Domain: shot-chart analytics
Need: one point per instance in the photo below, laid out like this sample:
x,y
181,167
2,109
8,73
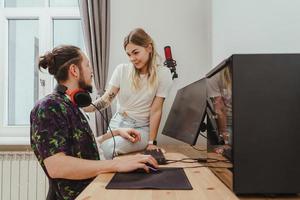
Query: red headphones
x,y
79,97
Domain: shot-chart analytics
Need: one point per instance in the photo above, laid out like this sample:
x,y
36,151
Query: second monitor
x,y
187,113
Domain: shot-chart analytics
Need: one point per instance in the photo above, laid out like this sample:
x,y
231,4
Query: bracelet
x,y
152,142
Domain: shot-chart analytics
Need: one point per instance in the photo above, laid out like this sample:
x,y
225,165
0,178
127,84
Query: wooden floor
x,y
192,153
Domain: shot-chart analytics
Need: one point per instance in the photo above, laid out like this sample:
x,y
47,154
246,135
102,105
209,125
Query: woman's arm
x,y
155,116
128,133
104,101
220,110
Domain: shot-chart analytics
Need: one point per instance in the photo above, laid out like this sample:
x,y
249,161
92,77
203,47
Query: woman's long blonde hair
x,y
226,79
139,37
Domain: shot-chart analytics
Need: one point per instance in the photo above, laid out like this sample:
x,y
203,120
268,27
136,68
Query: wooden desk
x,y
206,185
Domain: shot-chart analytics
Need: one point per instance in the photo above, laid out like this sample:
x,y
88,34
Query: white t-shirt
x,y
137,104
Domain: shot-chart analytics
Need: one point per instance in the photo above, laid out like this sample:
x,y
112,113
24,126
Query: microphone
x,y
170,63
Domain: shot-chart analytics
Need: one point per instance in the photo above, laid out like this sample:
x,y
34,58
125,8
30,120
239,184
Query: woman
x,y
141,88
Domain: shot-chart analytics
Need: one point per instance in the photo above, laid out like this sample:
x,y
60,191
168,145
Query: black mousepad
x,y
164,179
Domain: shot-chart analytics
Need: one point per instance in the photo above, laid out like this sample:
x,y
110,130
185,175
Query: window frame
x,y
45,16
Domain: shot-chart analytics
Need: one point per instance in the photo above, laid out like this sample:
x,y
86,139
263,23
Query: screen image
x,y
219,111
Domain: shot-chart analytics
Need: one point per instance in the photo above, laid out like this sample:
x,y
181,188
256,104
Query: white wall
x,y
254,26
204,32
184,25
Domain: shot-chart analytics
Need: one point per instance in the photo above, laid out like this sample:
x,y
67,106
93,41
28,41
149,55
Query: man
x,y
60,134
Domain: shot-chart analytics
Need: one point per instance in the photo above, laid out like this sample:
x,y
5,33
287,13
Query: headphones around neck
x,y
79,97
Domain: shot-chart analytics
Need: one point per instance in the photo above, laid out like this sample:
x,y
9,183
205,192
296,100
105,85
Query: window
x,y
63,3
22,3
28,29
21,94
67,31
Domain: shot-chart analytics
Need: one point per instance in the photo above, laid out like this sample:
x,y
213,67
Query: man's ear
x,y
74,70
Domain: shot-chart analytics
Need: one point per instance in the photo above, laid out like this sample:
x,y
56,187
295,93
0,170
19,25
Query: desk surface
x,y
206,185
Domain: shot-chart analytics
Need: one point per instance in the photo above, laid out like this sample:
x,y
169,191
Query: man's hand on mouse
x,y
130,163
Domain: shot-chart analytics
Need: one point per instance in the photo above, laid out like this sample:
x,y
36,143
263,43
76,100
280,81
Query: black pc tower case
x,y
264,141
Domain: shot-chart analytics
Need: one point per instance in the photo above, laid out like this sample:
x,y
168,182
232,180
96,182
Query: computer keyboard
x,y
158,155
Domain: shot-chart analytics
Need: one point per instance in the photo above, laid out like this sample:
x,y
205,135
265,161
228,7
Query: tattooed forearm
x,y
101,103
111,96
105,100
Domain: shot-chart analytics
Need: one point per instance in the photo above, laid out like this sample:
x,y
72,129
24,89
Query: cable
x,y
200,166
202,135
181,160
198,160
107,123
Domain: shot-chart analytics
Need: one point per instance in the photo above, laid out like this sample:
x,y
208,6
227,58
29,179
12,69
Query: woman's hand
x,y
225,136
130,134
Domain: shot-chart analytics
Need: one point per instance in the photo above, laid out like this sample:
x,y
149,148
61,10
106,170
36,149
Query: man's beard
x,y
84,86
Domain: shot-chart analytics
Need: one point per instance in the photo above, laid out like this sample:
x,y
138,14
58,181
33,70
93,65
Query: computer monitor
x,y
187,113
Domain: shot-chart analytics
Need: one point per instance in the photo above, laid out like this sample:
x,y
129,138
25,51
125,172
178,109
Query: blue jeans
x,y
123,146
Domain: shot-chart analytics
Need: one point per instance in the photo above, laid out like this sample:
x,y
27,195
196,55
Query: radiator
x,y
22,178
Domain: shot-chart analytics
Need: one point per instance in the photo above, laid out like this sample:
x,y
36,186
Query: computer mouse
x,y
152,169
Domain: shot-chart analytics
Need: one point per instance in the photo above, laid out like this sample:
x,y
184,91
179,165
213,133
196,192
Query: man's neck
x,y
71,85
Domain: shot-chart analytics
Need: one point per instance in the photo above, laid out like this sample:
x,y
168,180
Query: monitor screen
x,y
187,113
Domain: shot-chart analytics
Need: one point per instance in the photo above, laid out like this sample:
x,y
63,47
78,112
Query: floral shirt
x,y
59,126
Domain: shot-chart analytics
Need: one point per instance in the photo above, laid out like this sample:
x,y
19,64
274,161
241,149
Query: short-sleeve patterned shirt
x,y
59,126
